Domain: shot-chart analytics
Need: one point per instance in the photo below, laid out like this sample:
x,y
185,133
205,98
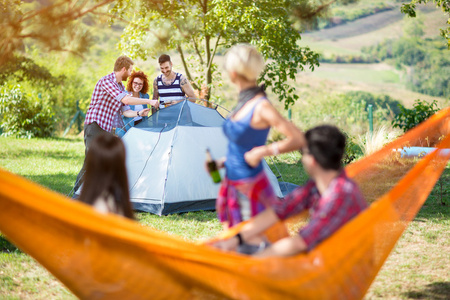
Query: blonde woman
x,y
246,190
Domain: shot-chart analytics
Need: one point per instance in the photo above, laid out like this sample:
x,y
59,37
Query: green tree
x,y
414,27
41,43
25,115
198,30
53,24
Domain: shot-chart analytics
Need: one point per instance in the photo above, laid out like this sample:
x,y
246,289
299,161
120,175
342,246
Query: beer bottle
x,y
212,167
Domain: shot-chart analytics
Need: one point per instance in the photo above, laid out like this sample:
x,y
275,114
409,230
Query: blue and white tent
x,y
165,159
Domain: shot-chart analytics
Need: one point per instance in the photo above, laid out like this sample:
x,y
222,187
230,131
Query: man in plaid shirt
x,y
330,196
108,98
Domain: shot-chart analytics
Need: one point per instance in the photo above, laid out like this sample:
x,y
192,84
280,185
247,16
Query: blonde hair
x,y
245,60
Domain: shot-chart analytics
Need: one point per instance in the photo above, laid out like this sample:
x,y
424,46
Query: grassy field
x,y
416,269
364,73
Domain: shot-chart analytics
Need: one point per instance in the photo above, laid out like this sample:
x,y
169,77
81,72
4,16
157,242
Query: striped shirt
x,y
105,103
328,212
172,92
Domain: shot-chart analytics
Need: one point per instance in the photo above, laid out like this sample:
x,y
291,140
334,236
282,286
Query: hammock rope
x,y
109,257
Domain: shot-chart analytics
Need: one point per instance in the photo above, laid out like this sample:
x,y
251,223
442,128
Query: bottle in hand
x,y
212,167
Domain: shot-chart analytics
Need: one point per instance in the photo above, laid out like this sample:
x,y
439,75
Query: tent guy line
x,y
146,161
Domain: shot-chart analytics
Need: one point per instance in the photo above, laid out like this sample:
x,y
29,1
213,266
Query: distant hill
x,y
365,24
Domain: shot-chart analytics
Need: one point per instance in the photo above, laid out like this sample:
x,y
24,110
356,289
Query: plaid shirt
x,y
106,102
256,191
328,212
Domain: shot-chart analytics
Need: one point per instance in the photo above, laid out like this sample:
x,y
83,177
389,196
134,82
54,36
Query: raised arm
x,y
187,89
266,115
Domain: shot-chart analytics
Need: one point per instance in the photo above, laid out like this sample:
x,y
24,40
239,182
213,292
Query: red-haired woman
x,y
134,114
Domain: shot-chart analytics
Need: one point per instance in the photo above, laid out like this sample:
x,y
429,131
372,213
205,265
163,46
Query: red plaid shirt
x,y
328,212
105,102
256,190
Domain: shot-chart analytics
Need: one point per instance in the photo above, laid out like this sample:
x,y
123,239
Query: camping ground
x,y
416,269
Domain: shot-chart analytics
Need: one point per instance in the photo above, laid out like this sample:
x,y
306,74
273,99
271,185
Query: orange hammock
x,y
108,257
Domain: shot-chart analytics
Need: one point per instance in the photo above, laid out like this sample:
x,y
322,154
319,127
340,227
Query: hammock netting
x,y
109,257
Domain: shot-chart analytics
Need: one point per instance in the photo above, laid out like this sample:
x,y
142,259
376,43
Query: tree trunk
x,y
186,69
208,70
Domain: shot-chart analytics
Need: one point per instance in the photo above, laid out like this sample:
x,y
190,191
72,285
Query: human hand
x,y
253,157
144,112
154,103
226,245
221,162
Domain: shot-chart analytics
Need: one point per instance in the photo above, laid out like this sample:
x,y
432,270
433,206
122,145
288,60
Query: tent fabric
x,y
166,155
109,257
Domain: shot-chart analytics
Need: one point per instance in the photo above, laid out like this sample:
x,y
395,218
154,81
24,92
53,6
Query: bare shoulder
x,y
183,80
266,111
264,105
155,84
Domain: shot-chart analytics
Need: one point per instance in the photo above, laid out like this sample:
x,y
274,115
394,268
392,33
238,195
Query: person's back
x,y
242,138
330,196
328,210
106,185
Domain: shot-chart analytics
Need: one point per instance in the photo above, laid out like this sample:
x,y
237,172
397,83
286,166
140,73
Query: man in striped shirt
x,y
331,197
108,97
171,87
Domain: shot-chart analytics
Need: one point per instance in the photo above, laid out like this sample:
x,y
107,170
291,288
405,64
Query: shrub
x,y
348,111
25,115
409,118
383,105
372,142
352,150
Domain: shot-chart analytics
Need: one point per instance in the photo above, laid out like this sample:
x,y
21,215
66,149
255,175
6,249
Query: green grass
x,y
49,162
417,267
357,73
326,47
191,226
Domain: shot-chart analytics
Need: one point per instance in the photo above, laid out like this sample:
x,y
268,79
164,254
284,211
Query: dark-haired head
x,y
326,144
106,172
163,58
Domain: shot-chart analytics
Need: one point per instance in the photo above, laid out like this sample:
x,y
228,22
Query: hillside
x,y
350,38
366,24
